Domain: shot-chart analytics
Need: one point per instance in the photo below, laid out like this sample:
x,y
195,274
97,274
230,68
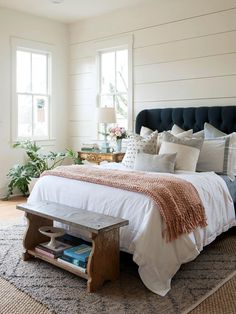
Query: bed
x,y
158,260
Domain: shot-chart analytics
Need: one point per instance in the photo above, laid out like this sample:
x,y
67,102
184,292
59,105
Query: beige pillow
x,y
155,163
199,134
179,135
187,149
138,143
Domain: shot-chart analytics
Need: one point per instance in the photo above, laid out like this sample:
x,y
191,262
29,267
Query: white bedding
x,y
158,261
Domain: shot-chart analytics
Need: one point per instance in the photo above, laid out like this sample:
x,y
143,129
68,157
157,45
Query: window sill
x,y
41,142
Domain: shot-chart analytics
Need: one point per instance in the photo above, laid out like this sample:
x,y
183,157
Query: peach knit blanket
x,y
178,200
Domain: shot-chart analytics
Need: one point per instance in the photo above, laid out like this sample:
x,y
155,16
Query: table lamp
x,y
106,115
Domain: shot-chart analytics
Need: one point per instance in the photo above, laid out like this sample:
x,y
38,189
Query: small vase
x,y
118,145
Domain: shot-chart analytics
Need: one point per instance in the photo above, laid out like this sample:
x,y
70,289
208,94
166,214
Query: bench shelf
x,y
101,230
57,263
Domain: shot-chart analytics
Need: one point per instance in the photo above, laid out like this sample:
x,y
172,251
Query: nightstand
x,y
97,157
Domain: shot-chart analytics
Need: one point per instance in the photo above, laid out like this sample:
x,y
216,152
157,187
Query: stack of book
x,y
76,257
87,147
43,249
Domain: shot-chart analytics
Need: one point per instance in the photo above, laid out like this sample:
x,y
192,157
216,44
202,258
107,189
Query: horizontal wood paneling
x,y
187,69
187,89
76,141
83,128
199,26
82,81
186,49
82,113
208,102
82,97
185,56
83,50
82,65
152,13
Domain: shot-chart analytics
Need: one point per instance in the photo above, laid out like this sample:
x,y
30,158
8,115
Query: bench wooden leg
x,y
32,236
104,261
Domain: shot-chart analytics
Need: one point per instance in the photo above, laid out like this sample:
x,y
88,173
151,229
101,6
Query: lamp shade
x,y
106,115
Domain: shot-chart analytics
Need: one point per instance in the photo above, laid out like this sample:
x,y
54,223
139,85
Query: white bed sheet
x,y
158,261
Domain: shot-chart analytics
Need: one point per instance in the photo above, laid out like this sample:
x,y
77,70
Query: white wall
x,y
184,54
15,24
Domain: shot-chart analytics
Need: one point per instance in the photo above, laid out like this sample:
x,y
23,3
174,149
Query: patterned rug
x,y
66,293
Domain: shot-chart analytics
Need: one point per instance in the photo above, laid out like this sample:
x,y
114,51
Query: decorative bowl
x,y
52,233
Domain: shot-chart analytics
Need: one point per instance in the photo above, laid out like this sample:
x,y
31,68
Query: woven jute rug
x,y
64,293
12,300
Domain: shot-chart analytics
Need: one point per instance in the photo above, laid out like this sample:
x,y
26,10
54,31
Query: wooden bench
x,y
102,230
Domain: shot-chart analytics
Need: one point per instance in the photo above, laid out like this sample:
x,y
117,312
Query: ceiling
x,y
68,11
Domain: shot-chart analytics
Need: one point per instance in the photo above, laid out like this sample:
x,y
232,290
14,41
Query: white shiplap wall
x,y
184,54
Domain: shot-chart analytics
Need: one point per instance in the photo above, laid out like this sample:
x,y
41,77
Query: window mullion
x,y
114,96
32,100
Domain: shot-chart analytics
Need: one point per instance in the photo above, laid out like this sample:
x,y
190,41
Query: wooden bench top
x,y
84,219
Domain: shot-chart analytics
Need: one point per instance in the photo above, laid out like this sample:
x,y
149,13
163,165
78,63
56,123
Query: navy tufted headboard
x,y
223,118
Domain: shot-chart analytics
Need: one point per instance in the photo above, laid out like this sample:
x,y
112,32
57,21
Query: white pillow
x,y
219,155
176,129
145,131
138,143
211,132
155,163
187,150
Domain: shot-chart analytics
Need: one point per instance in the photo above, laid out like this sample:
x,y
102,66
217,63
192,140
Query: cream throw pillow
x,y
187,149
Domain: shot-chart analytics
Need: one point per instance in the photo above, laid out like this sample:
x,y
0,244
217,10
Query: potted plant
x,y
21,175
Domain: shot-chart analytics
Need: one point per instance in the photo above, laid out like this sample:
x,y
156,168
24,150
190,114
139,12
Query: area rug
x,y
65,293
12,300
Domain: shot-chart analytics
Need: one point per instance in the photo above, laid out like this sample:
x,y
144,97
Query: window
x,y
31,93
114,83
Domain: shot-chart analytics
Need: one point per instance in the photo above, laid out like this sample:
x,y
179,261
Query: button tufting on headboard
x,y
223,118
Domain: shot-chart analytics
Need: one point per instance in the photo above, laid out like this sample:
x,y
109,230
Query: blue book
x,y
74,261
80,252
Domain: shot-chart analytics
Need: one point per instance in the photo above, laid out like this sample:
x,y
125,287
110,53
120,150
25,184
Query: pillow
x,y
179,135
137,142
187,150
176,129
145,131
199,134
211,132
155,163
219,155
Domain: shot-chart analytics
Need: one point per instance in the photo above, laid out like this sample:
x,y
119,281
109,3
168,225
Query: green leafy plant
x,y
20,175
74,156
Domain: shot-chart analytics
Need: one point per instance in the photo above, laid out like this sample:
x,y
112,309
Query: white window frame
x,y
34,47
118,43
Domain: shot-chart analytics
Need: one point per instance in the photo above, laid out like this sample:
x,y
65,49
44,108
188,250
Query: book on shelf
x,y
61,260
89,147
57,251
74,261
43,252
70,239
80,252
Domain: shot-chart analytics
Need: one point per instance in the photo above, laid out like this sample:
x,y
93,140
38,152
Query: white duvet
x,y
158,261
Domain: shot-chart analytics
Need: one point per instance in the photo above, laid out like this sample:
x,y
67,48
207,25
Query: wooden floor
x,y
8,213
